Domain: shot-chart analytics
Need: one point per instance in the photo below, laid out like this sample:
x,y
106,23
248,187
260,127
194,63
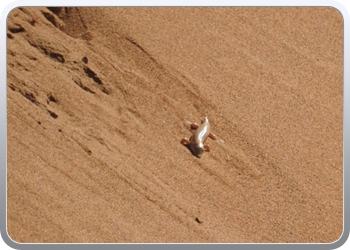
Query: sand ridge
x,y
97,99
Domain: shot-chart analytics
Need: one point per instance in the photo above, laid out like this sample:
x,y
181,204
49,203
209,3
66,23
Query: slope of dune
x,y
97,100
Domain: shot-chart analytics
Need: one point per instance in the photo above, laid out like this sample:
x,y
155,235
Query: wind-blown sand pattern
x,y
97,99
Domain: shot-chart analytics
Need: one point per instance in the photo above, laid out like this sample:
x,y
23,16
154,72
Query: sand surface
x,y
97,100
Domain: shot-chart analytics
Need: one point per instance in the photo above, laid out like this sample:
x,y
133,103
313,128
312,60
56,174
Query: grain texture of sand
x,y
97,100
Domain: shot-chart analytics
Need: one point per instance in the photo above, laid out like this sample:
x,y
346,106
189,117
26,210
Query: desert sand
x,y
97,104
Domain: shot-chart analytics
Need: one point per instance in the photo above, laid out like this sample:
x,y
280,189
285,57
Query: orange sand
x,y
97,99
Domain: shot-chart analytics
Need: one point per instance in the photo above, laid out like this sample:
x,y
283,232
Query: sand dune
x,y
97,104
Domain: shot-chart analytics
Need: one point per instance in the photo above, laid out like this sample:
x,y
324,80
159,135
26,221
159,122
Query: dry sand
x,y
97,99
